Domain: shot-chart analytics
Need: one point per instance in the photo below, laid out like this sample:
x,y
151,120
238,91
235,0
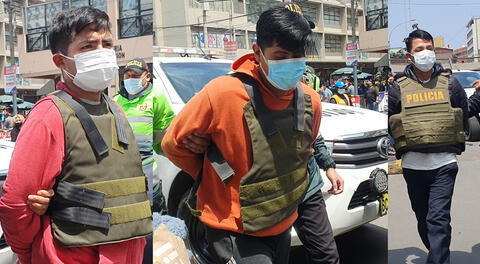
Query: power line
x,y
207,22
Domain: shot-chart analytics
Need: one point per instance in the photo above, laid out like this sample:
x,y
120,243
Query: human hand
x,y
39,203
197,143
336,180
476,84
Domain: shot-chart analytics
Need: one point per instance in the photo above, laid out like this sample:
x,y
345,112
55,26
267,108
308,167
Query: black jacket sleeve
x,y
458,99
394,100
474,104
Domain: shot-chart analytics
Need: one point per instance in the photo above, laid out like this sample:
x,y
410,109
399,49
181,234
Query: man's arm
x,y
474,100
195,117
326,162
162,117
36,161
459,99
394,102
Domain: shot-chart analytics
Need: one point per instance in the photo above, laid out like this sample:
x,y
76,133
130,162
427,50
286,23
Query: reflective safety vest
x,y
281,143
427,118
149,116
314,82
100,195
341,99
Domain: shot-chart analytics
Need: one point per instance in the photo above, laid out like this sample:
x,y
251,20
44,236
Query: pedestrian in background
x,y
371,97
17,125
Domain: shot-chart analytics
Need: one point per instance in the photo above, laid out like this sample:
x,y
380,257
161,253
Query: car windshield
x,y
189,78
466,78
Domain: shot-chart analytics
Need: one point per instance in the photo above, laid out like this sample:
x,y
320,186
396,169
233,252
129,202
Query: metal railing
x,y
135,26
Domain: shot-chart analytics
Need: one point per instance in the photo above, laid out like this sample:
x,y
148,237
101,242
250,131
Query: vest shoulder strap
x,y
119,120
95,139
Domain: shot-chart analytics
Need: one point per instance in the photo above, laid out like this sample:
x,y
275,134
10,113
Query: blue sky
x,y
447,18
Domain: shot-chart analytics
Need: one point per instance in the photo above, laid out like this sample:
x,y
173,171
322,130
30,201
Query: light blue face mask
x,y
133,85
285,74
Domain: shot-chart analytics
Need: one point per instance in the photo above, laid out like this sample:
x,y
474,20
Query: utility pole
x,y
205,36
11,22
354,39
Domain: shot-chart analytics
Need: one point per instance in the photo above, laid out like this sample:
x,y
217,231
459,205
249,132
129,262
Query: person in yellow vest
x,y
149,115
339,94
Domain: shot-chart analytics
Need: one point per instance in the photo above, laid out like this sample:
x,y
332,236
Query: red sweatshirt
x,y
37,159
217,110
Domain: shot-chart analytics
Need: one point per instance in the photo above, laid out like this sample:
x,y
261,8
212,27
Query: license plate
x,y
383,204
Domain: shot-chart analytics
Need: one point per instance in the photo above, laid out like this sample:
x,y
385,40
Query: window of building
x,y
240,38
216,37
333,45
136,18
470,33
39,18
470,51
252,38
331,15
309,10
377,14
470,42
255,8
315,51
222,6
349,19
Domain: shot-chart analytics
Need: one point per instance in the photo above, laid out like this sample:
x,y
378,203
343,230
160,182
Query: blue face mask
x,y
341,91
133,85
285,74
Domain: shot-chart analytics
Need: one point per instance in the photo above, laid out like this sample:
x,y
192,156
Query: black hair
x,y
68,23
420,34
289,30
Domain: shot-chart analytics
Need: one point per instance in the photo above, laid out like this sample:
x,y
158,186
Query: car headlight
x,y
379,181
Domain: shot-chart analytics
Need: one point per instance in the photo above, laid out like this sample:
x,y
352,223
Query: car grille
x,y
358,151
363,195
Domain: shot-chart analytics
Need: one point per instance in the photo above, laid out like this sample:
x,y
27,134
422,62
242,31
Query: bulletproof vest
x,y
341,99
427,118
281,144
100,195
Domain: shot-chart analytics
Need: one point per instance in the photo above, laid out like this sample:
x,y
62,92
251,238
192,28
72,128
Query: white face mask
x,y
95,69
424,60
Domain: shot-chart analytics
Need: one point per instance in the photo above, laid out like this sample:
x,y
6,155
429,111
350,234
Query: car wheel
x,y
473,132
196,241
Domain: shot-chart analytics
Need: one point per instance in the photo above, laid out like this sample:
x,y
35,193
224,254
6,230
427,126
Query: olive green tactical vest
x,y
427,118
110,187
277,181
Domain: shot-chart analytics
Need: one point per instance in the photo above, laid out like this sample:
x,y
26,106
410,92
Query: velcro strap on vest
x,y
91,130
120,187
82,215
219,164
80,195
129,213
121,131
299,105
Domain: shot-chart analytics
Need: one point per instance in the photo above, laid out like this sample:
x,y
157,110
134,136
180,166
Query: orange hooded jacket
x,y
217,110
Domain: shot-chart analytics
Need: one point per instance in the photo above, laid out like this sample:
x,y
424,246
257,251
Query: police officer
x,y
427,114
340,94
78,143
149,114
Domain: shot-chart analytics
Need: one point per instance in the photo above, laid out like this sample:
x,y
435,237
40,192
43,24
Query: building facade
x,y
132,29
26,87
180,24
473,38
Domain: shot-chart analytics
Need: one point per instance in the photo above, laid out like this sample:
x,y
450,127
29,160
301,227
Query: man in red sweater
x,y
78,143
263,122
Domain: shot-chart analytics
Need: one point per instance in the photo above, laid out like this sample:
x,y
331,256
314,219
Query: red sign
x,y
230,50
9,70
355,99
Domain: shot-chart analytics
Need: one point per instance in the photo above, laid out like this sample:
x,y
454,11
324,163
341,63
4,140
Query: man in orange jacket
x,y
262,122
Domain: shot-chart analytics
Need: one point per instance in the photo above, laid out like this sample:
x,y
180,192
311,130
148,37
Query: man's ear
x,y
256,52
58,60
410,57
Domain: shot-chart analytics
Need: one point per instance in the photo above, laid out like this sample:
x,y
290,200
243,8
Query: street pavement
x,y
364,245
404,244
